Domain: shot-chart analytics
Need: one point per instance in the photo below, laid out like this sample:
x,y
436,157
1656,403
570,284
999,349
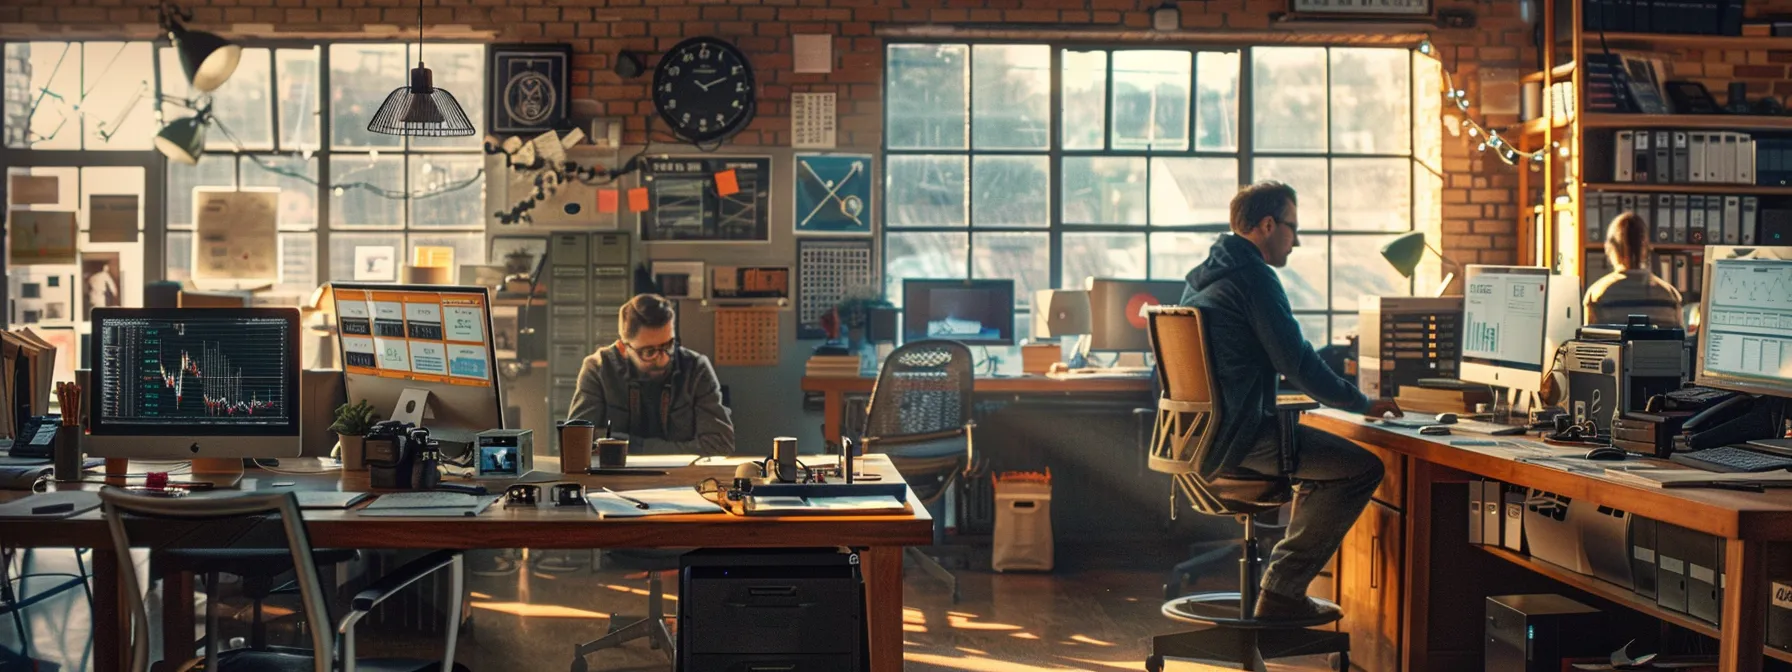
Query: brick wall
x,y
1479,204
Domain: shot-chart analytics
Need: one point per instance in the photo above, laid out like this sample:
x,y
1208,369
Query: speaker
x,y
320,392
1533,633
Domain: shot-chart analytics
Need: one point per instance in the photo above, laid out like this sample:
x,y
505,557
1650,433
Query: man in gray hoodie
x,y
648,389
1253,337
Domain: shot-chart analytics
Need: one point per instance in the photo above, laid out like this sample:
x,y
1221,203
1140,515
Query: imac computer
x,y
1117,311
195,383
421,354
1060,312
1513,319
972,312
1746,344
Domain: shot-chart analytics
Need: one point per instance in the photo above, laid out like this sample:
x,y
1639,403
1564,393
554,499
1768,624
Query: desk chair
x,y
1183,440
258,568
239,517
651,627
920,417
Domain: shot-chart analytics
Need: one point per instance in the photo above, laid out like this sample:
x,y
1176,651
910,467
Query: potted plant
x,y
351,426
855,313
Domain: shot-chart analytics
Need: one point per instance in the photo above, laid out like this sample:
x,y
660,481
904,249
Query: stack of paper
x,y
659,501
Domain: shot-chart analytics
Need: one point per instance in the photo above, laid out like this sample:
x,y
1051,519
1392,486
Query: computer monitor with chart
x,y
422,354
1116,311
186,383
1513,319
1747,307
972,312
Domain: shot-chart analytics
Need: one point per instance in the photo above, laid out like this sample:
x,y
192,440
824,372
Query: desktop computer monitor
x,y
186,383
972,312
1513,319
1746,340
1117,311
422,354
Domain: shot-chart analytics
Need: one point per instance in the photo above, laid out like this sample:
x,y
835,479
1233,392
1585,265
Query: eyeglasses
x,y
1294,226
654,351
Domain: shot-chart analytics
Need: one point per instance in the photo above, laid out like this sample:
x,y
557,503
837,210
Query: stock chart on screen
x,y
195,371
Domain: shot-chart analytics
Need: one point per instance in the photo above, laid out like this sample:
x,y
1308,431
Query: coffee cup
x,y
612,453
575,446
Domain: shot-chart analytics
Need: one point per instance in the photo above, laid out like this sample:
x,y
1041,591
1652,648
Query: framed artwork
x,y
827,271
376,263
707,199
833,194
679,279
527,87
102,285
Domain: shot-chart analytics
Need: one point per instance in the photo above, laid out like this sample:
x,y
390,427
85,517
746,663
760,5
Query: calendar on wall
x,y
812,121
747,336
827,270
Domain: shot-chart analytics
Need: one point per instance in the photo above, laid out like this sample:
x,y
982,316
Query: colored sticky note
x,y
637,199
606,200
726,184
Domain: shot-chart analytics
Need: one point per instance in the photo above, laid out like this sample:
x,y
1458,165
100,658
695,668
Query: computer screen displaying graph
x,y
1748,324
196,371
1503,315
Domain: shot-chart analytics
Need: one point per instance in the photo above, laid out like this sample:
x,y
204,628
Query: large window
x,y
1051,164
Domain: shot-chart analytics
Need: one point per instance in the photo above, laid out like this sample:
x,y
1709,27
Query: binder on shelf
x,y
1726,158
1680,159
1624,159
1661,170
1695,220
1641,156
1475,503
1714,220
1681,235
1745,159
1664,218
1627,203
1732,220
1749,205
1695,157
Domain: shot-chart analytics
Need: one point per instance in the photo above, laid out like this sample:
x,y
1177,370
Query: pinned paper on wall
x,y
812,120
35,190
726,183
236,235
112,218
637,199
42,237
606,201
747,336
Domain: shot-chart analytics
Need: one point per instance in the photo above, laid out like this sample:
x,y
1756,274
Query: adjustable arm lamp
x,y
1405,253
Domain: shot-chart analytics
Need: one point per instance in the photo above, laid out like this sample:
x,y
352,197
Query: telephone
x,y
37,437
1731,420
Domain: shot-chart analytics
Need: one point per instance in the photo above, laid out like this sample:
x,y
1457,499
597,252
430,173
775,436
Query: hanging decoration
x,y
1486,139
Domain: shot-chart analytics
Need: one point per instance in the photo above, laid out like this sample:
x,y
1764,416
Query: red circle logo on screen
x,y
1135,309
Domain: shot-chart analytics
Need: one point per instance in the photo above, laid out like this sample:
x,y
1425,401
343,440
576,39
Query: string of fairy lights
x,y
1486,139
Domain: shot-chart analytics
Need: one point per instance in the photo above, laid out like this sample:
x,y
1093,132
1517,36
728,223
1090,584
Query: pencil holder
x,y
67,456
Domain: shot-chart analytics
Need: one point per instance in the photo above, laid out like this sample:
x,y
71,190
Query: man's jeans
x,y
1334,480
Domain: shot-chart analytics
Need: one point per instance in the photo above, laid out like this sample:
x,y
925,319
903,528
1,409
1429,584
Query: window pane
x,y
1370,114
1311,179
1085,82
1290,84
1104,190
180,256
449,204
1011,97
1173,255
1102,255
1363,274
298,94
353,206
459,69
925,190
298,195
361,76
1151,99
1192,191
1024,257
298,262
379,245
922,255
468,247
43,84
925,106
1010,191
120,84
243,104
1306,277
1373,195
1345,324
212,171
1216,91
1313,328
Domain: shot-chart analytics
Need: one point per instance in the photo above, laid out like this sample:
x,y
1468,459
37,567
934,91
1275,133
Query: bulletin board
x,y
747,336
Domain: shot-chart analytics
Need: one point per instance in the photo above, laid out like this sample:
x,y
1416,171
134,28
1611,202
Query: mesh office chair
x,y
651,627
920,417
1183,439
219,522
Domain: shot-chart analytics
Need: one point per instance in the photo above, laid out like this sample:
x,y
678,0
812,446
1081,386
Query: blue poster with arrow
x,y
833,194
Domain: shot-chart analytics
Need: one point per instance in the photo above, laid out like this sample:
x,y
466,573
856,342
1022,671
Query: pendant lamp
x,y
206,59
183,140
421,109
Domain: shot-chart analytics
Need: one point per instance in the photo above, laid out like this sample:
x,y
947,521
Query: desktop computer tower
x,y
1779,615
1609,378
1406,338
795,610
1533,633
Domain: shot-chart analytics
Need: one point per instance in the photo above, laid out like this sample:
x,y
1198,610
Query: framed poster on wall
x,y
707,199
527,87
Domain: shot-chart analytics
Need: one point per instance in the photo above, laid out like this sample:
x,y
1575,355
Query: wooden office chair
x,y
1183,446
223,522
920,416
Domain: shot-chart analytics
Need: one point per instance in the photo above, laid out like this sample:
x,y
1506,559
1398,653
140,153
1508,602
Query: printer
x,y
1614,368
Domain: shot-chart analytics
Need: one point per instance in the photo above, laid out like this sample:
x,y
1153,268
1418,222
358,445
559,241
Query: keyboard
x,y
427,499
1417,420
1731,459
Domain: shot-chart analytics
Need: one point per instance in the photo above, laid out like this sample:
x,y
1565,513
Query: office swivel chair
x,y
651,627
218,522
1183,440
920,417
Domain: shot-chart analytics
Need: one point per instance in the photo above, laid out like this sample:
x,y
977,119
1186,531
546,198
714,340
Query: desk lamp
x,y
1405,252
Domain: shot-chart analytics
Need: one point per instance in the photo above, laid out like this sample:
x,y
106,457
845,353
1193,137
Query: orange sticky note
x,y
637,199
726,184
606,200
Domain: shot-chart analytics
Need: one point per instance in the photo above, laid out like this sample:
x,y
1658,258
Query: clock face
x,y
704,88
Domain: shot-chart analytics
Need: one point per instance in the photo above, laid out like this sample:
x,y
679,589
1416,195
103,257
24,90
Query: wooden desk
x,y
547,526
1755,527
834,390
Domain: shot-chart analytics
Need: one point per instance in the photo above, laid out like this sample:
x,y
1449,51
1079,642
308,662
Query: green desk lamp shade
x,y
1405,253
206,59
183,140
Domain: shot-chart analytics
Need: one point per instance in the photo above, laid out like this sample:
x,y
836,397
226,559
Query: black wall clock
x,y
704,89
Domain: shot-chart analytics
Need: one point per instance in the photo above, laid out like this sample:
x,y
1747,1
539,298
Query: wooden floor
x,y
1096,613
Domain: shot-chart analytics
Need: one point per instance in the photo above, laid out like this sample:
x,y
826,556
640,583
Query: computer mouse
x,y
1606,453
1446,418
1434,430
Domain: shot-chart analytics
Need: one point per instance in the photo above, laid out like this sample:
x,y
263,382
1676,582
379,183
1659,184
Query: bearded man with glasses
x,y
662,397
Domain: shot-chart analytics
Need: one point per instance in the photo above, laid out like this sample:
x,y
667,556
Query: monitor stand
x,y
413,407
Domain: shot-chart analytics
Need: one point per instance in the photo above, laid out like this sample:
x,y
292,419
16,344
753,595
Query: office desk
x,y
1755,528
835,388
881,537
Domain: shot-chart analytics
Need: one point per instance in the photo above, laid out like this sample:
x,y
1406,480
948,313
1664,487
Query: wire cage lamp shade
x,y
421,109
